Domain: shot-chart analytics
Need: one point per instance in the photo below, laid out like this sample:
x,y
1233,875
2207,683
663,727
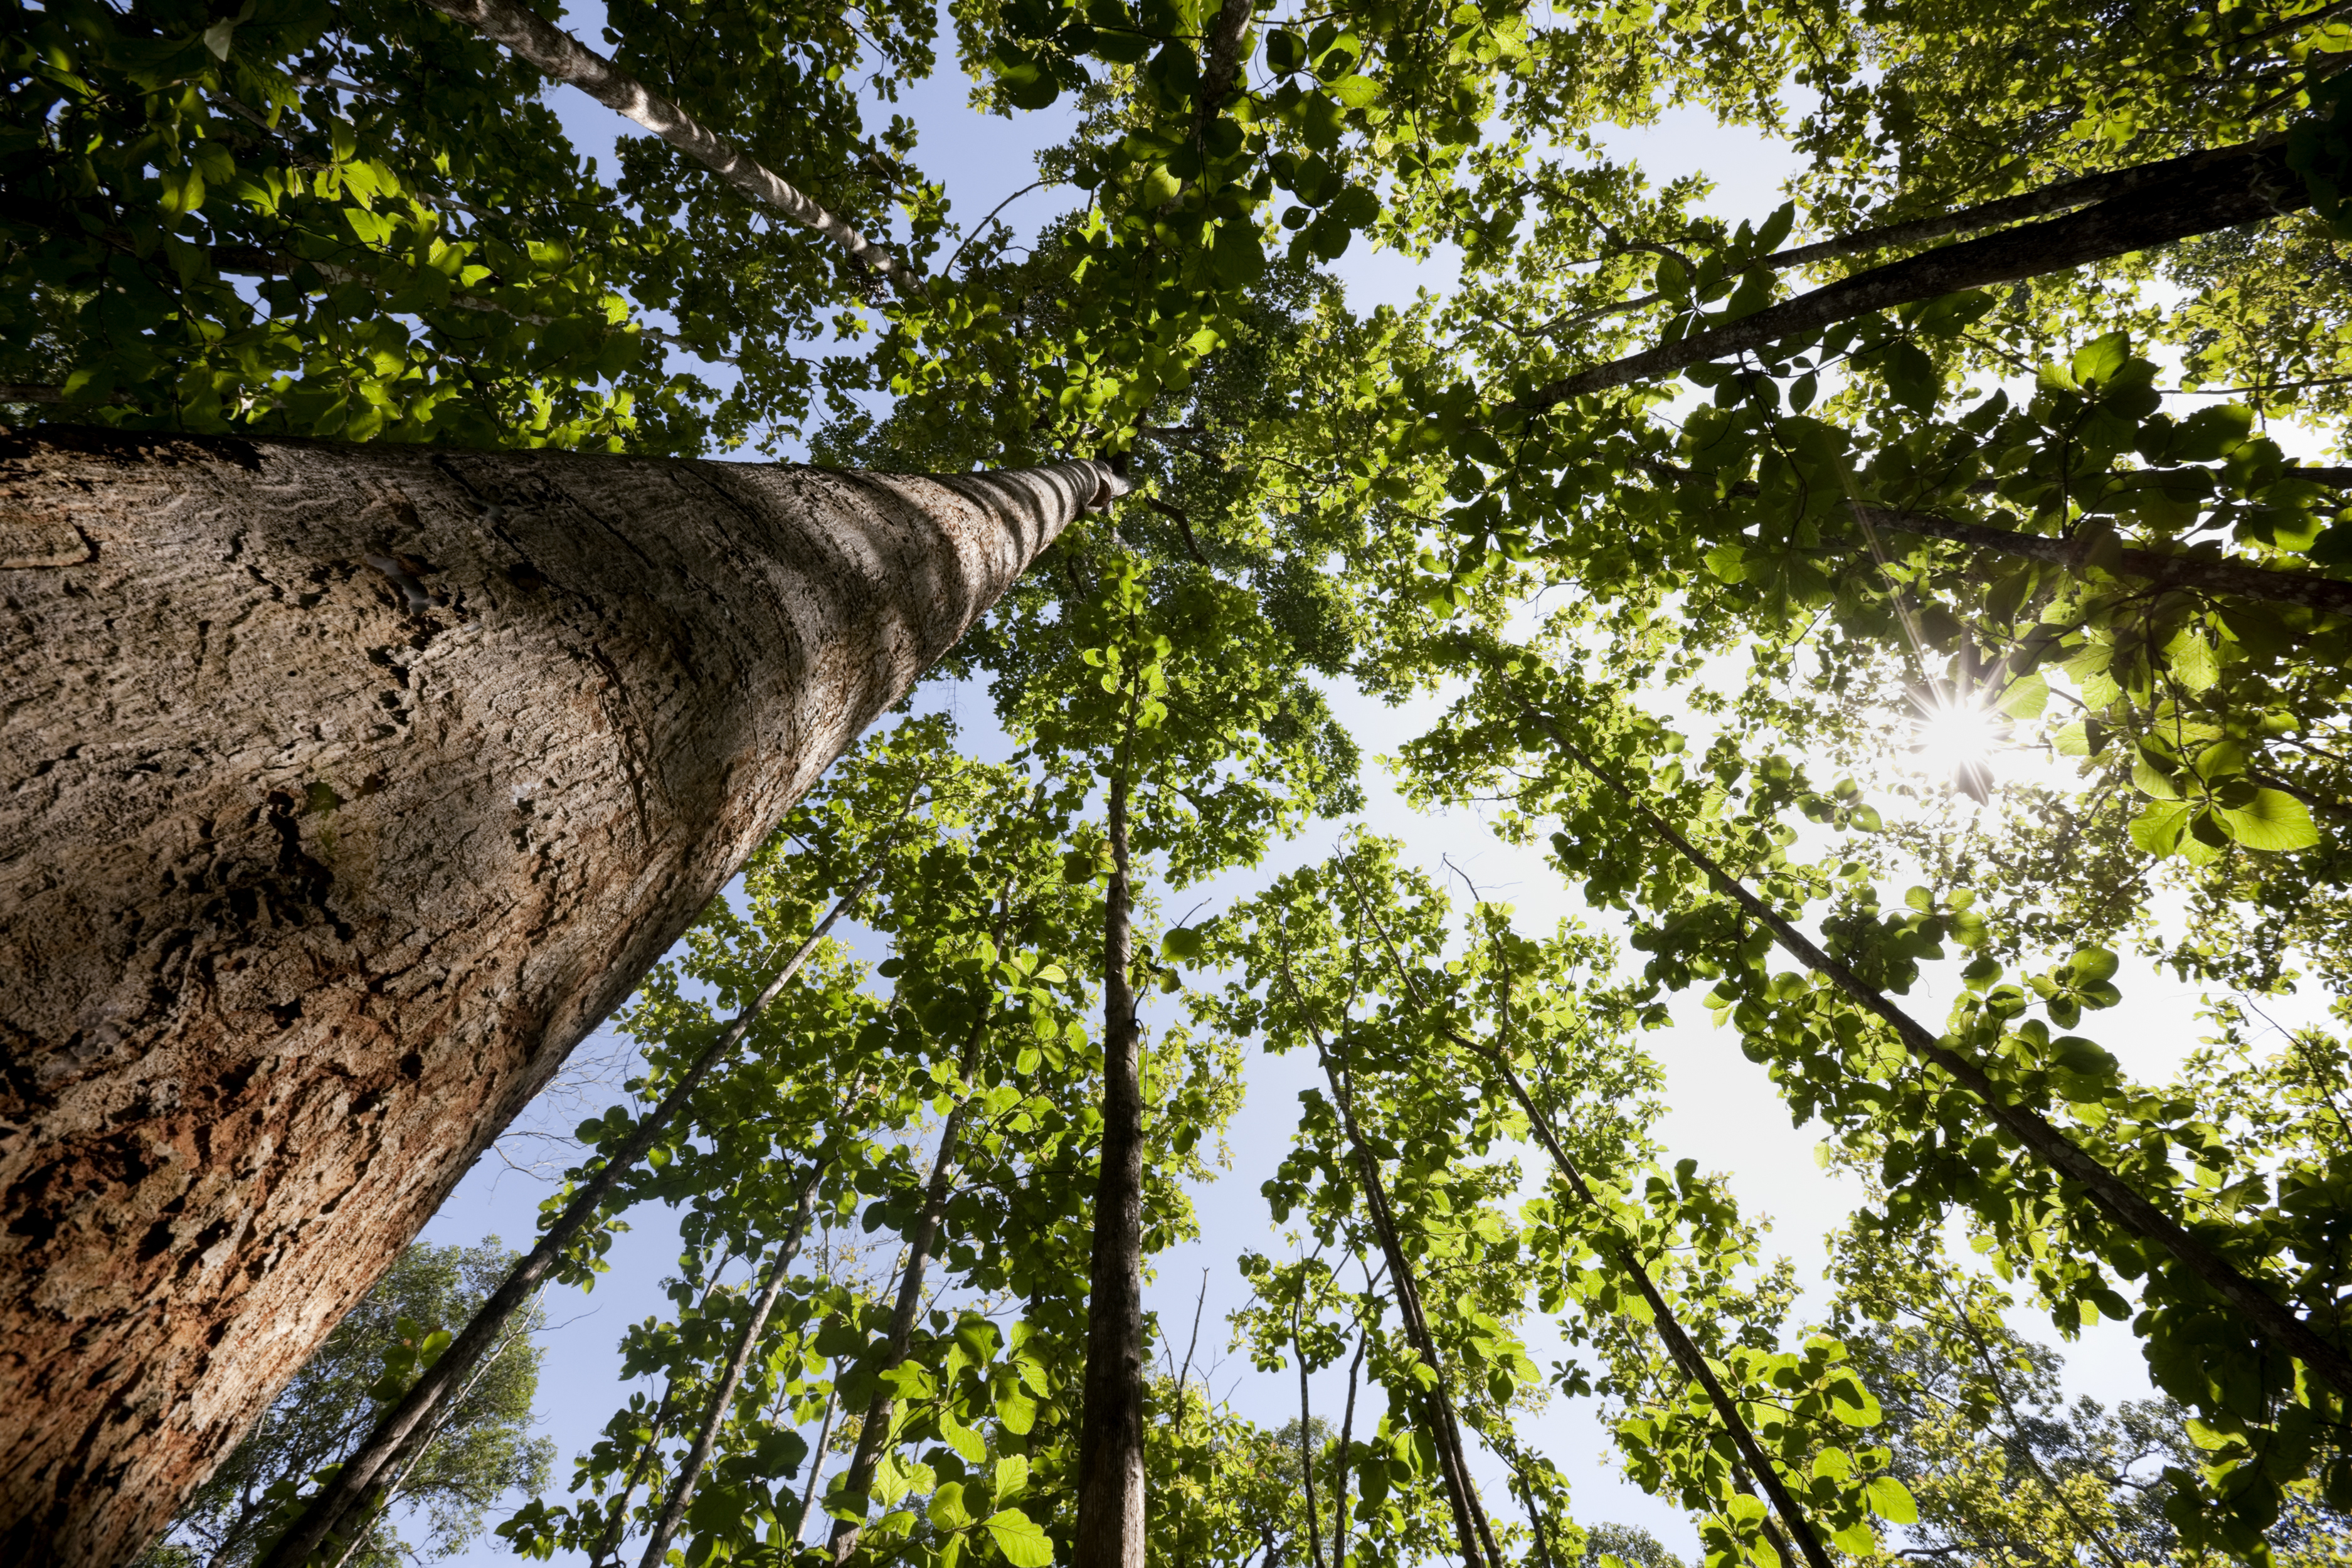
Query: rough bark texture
x,y
1111,1434
345,790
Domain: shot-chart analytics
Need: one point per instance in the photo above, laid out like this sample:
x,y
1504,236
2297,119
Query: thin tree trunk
x,y
619,1523
2278,1327
2223,189
354,786
874,1429
1534,1521
721,1397
1477,1537
415,1453
566,58
357,1474
1109,1532
816,1454
1474,1536
1306,1448
1346,1435
1679,1344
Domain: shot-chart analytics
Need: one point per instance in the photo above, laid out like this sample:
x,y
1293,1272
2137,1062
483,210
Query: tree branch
x,y
1183,526
2164,568
2278,1325
566,58
2064,195
1223,60
2197,194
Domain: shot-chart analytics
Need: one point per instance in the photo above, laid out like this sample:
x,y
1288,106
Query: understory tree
x,y
479,1452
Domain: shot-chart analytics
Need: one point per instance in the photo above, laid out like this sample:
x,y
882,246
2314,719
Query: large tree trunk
x,y
345,789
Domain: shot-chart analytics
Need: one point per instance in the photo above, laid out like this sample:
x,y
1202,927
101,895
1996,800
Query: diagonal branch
x,y
1679,1344
2197,194
2166,569
2061,195
566,58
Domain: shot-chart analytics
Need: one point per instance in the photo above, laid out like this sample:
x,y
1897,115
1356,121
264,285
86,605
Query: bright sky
x,y
1724,1114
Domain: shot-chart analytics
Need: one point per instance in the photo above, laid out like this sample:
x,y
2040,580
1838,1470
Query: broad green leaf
x,y
947,1509
1024,1545
1892,1501
2275,821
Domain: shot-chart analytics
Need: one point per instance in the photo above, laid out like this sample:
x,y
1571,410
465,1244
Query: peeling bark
x,y
345,790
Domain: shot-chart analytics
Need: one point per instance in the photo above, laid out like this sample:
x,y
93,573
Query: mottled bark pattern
x,y
342,792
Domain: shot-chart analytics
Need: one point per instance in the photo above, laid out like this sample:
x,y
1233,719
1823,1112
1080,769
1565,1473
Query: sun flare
x,y
1957,738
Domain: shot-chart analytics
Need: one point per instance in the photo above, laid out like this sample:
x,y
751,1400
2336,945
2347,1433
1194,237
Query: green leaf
x,y
947,1509
2099,358
1238,258
1017,1536
1017,1411
2093,964
2077,1055
1892,1501
2274,822
962,1439
2026,698
1356,91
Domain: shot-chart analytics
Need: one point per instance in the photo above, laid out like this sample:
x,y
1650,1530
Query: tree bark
x,y
531,37
2164,568
817,1457
1305,1447
2226,188
349,788
1110,1436
2061,195
1475,1535
415,1407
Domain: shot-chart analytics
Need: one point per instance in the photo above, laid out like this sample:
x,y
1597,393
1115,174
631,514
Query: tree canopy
x,y
2024,417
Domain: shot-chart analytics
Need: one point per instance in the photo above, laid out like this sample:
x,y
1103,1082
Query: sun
x,y
1956,736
